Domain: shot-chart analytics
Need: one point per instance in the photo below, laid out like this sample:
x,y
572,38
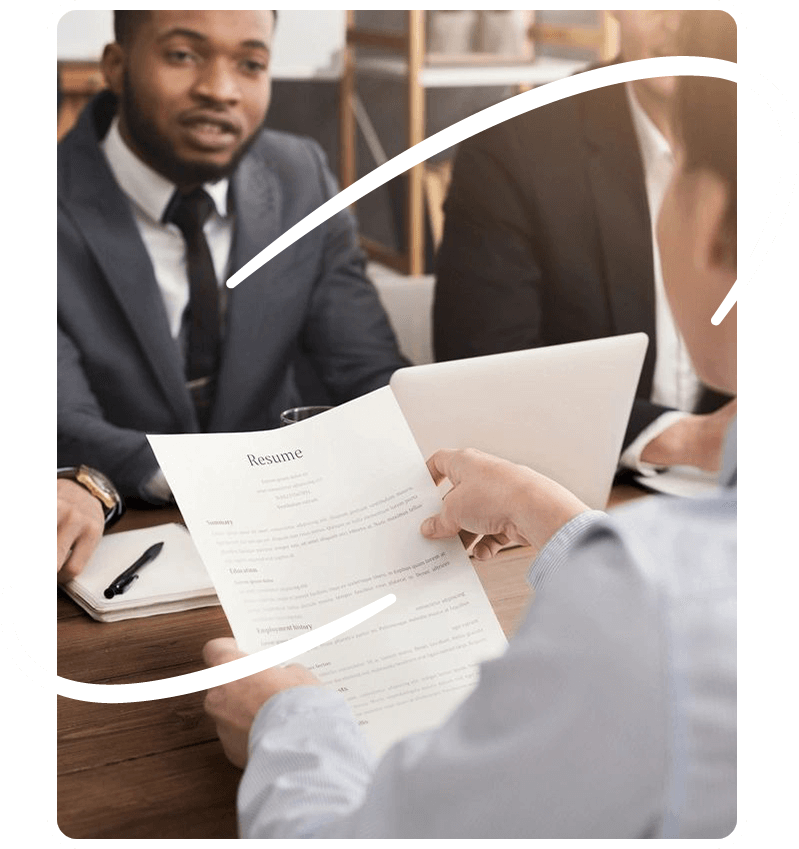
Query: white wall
x,y
307,43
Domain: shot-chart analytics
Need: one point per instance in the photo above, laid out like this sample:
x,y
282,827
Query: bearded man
x,y
168,184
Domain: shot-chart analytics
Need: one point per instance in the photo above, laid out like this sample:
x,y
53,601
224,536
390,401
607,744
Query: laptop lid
x,y
562,409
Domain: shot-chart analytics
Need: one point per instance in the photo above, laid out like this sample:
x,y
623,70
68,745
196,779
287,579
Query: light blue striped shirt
x,y
612,714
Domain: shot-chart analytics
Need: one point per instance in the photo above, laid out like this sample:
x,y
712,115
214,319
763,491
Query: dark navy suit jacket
x,y
306,328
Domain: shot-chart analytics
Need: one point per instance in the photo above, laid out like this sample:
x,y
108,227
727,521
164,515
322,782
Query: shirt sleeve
x,y
308,764
564,736
558,550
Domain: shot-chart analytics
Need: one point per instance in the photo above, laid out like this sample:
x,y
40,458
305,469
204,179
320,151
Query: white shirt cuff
x,y
631,456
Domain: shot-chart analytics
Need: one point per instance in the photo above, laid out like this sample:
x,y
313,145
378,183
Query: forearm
x,y
539,508
309,765
684,442
124,455
85,436
633,456
694,440
687,439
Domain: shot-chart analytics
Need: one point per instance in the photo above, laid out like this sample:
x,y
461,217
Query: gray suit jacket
x,y
306,328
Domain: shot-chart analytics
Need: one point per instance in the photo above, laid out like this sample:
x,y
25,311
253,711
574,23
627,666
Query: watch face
x,y
98,484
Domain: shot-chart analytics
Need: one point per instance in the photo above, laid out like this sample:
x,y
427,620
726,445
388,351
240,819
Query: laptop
x,y
562,409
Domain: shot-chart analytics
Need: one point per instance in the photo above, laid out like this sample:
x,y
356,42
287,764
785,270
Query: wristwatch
x,y
99,486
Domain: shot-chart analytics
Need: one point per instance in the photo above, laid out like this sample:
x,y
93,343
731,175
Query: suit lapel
x,y
617,183
106,221
256,199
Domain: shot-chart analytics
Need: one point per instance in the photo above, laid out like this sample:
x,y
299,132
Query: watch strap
x,y
98,485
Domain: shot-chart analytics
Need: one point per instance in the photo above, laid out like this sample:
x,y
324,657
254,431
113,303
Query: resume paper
x,y
301,525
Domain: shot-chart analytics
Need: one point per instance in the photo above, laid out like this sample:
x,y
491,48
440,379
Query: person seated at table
x,y
167,185
87,504
549,238
613,711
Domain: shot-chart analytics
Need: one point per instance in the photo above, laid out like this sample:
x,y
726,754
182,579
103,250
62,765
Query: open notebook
x,y
176,580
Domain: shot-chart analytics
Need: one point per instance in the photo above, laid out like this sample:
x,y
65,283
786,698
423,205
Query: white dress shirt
x,y
149,194
675,383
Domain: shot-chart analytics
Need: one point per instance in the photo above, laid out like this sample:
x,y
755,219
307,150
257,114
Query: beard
x,y
158,153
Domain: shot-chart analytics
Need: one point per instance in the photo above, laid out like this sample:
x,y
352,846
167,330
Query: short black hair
x,y
127,21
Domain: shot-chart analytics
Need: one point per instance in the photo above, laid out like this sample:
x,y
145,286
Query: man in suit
x,y
549,239
166,186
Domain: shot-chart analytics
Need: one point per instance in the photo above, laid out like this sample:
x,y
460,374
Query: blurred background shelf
x,y
481,70
446,49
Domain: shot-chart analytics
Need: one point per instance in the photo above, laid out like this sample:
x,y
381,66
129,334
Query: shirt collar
x,y
653,143
145,187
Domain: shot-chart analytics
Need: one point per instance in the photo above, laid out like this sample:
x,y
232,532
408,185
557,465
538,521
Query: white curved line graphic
x,y
665,66
180,685
549,93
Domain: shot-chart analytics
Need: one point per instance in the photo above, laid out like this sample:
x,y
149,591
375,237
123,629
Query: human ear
x,y
113,67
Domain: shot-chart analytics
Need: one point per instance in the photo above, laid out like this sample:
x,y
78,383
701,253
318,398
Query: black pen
x,y
123,581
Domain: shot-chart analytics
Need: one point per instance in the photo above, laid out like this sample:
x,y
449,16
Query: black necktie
x,y
190,212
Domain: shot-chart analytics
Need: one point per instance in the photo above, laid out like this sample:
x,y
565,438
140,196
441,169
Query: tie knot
x,y
189,212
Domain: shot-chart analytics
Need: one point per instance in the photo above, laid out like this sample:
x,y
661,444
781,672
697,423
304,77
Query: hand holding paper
x,y
233,707
504,502
302,525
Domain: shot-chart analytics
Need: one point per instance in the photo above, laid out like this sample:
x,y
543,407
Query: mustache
x,y
158,152
209,116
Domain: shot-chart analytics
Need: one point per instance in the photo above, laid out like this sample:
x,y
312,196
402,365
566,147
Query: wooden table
x,y
156,769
